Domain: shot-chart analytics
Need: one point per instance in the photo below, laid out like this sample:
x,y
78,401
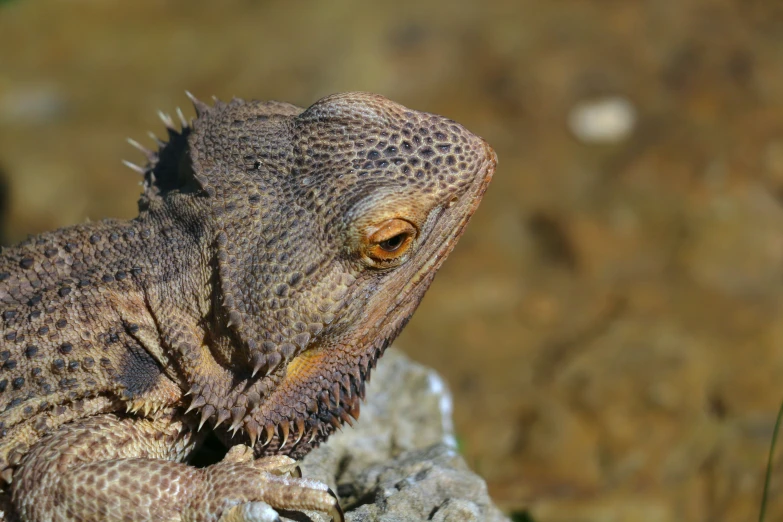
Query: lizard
x,y
276,254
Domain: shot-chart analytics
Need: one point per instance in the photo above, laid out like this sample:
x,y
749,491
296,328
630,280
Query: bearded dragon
x,y
277,252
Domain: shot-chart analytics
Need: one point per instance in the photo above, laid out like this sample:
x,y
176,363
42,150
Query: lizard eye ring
x,y
388,242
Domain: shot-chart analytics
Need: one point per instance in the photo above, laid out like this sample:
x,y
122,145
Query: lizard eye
x,y
389,241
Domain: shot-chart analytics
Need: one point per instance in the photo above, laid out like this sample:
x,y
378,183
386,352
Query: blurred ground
x,y
612,322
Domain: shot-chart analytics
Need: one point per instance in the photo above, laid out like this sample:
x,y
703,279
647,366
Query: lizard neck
x,y
179,293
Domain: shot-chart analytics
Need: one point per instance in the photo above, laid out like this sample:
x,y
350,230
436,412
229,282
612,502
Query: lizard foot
x,y
258,487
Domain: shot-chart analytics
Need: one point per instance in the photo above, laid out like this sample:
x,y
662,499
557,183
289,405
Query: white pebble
x,y
602,120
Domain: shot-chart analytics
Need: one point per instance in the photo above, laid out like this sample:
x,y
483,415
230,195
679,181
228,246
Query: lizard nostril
x,y
452,201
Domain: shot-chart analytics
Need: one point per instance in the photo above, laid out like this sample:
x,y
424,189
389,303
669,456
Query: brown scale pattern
x,y
252,295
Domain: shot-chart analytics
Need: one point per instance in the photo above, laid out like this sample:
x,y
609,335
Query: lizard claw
x,y
337,513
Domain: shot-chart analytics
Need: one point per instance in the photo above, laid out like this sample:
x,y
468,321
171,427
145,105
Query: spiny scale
x,y
283,429
269,431
258,360
200,106
157,140
150,154
182,118
237,416
300,430
222,416
198,402
134,167
252,432
167,121
206,412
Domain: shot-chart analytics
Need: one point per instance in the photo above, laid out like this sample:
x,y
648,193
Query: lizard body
x,y
277,252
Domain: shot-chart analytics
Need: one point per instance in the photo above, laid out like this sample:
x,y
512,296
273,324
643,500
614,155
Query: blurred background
x,y
611,324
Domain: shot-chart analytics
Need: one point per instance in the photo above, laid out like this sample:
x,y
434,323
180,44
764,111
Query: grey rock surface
x,y
400,462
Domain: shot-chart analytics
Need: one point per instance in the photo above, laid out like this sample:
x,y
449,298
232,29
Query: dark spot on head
x,y
18,383
31,351
67,382
10,364
66,348
64,291
26,262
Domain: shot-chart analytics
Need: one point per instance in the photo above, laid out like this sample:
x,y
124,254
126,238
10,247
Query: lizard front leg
x,y
112,468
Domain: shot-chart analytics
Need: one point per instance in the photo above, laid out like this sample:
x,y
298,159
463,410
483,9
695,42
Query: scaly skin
x,y
276,254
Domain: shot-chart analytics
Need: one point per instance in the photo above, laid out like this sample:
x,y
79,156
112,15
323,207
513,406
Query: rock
x,y
429,484
400,462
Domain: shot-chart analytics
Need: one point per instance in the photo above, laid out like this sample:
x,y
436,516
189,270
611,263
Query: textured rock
x,y
399,462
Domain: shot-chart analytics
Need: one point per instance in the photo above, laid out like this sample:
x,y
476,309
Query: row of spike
x,y
335,406
317,427
152,155
340,404
266,362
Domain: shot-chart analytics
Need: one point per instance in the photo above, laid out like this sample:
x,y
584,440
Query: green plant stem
x,y
769,464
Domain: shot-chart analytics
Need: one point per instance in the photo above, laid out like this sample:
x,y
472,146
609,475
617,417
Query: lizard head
x,y
330,224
